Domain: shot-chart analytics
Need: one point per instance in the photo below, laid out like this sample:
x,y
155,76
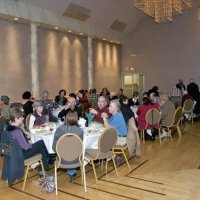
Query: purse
x,y
5,149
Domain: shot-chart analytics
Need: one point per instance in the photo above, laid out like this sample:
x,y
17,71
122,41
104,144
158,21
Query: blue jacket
x,y
13,166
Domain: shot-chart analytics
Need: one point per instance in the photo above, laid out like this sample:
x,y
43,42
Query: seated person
x,y
37,118
185,96
142,111
93,95
125,109
116,120
153,97
5,106
167,109
28,149
120,94
70,126
27,103
48,106
61,99
83,99
71,105
134,101
47,103
101,108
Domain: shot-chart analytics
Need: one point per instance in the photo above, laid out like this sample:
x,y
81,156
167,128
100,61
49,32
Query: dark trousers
x,y
38,147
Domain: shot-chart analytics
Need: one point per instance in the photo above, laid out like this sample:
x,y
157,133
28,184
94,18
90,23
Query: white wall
x,y
166,52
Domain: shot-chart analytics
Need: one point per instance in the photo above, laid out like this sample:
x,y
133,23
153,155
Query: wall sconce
x,y
132,69
129,69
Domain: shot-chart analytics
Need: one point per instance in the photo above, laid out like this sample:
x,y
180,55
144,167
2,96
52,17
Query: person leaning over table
x,y
101,108
28,149
70,105
70,126
116,120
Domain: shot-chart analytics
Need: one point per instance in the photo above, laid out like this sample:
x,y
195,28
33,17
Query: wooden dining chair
x,y
188,108
29,162
106,143
152,118
69,149
175,124
130,143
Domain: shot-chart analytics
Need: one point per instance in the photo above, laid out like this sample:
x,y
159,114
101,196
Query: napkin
x,y
82,122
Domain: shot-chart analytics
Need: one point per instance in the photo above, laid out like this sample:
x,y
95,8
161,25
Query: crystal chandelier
x,y
163,10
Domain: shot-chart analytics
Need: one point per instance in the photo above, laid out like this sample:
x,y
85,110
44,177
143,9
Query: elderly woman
x,y
70,126
37,118
61,99
28,149
117,119
5,107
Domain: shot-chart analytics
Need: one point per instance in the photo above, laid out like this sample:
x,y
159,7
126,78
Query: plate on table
x,y
40,131
91,131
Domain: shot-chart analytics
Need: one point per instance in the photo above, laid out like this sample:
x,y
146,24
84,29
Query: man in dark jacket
x,y
71,105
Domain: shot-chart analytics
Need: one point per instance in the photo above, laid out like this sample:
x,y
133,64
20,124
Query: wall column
x,y
90,63
34,60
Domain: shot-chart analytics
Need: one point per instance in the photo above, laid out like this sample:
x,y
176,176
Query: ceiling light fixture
x,y
163,10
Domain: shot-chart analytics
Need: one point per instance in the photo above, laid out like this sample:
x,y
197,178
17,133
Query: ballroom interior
x,y
83,44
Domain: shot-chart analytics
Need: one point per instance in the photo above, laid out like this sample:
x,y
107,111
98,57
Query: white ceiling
x,y
103,12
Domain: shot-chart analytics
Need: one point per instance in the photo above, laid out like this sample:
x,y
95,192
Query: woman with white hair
x,y
117,119
37,118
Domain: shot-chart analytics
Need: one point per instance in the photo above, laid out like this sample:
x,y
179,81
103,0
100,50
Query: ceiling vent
x,y
77,12
118,26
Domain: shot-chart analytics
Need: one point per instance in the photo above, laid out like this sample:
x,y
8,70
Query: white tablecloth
x,y
90,140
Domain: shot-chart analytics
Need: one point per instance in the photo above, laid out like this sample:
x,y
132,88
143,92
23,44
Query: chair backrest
x,y
69,148
132,138
107,140
188,105
177,116
27,120
153,117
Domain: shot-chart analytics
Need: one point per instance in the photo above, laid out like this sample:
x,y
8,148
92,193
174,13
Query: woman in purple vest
x,y
28,149
37,118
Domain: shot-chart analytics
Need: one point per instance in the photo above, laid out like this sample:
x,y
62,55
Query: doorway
x,y
133,82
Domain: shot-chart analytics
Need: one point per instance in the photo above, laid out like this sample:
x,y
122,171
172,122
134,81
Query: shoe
x,y
164,134
71,173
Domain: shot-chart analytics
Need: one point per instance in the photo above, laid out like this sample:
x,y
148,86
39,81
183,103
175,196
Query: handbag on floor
x,y
48,183
5,149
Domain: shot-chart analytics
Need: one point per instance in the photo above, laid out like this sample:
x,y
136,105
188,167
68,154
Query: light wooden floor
x,y
167,171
